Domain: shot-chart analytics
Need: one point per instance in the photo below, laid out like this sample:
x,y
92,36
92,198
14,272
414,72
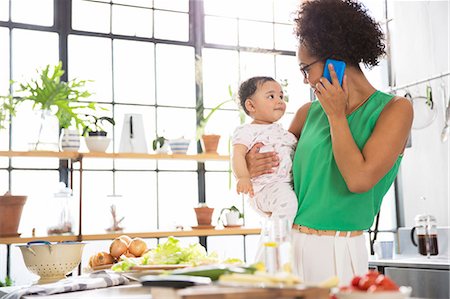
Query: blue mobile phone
x,y
339,68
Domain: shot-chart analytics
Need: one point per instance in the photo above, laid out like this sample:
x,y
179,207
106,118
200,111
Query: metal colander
x,y
51,262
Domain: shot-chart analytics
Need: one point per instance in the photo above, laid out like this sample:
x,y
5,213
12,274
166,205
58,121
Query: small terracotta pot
x,y
210,143
204,215
11,207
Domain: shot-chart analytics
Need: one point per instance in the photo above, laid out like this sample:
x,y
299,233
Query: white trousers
x,y
317,258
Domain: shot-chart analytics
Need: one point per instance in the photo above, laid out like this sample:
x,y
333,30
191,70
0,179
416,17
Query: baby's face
x,y
268,103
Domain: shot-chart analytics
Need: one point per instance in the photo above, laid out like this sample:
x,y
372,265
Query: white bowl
x,y
404,292
97,143
51,262
179,146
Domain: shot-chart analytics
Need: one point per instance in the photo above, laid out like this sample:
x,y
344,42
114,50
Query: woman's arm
x,y
361,170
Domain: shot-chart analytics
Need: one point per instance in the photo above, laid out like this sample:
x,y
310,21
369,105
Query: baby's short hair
x,y
248,88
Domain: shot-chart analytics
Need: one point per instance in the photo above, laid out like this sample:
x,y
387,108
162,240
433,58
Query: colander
x,y
51,261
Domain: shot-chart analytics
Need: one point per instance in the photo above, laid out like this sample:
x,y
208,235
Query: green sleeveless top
x,y
324,201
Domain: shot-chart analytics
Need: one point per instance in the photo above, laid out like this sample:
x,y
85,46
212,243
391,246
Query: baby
x,y
271,195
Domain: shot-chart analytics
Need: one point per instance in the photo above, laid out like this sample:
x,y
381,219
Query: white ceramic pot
x,y
97,143
70,140
232,218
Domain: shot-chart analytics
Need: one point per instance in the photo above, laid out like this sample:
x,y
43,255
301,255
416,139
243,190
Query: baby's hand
x,y
244,185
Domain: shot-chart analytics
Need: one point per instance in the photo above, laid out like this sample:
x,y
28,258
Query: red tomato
x,y
355,281
375,288
387,283
367,280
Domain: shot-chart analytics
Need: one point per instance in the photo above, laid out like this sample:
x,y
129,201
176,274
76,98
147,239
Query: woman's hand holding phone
x,y
332,97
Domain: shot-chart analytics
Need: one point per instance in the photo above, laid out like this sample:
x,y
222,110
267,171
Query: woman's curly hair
x,y
340,29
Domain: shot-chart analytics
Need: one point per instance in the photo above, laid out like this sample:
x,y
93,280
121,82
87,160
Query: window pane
x,y
132,21
221,31
138,202
142,3
176,205
252,243
134,69
91,16
298,92
284,38
26,59
90,59
255,34
175,75
39,187
4,61
3,180
38,12
4,10
256,64
178,5
221,8
96,205
218,193
215,84
284,11
177,122
171,25
256,10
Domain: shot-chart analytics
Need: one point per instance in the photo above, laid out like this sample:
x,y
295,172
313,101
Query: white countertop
x,y
413,261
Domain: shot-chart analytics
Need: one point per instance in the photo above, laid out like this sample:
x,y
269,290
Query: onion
x,y
126,239
100,259
137,247
118,247
128,254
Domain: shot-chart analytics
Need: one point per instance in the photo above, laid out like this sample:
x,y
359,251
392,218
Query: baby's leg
x,y
283,201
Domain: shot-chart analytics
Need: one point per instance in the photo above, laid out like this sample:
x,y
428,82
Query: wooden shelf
x,y
145,235
77,155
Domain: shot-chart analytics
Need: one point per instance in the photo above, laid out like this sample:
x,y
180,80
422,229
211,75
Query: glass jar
x,y
63,201
426,230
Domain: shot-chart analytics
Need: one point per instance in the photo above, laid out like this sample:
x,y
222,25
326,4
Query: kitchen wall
x,y
420,49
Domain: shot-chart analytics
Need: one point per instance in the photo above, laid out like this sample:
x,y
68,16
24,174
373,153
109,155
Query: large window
x,y
166,60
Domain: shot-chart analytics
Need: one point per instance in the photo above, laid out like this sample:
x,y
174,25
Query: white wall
x,y
420,49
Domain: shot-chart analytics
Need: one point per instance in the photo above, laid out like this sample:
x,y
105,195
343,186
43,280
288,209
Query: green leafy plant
x,y
93,125
230,209
7,107
48,91
7,283
204,120
159,140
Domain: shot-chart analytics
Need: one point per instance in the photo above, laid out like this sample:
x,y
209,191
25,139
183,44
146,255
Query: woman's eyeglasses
x,y
305,69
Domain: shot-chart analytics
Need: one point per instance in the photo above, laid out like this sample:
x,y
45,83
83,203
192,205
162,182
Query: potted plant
x,y
210,141
11,207
204,214
97,140
54,99
232,216
160,145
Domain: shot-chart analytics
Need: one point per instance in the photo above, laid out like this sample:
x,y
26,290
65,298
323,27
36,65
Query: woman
x,y
350,144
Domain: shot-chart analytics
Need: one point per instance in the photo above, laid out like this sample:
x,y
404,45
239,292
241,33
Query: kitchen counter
x,y
135,290
413,261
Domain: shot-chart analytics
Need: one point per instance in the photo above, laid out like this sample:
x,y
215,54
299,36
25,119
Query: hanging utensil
x,y
446,129
424,114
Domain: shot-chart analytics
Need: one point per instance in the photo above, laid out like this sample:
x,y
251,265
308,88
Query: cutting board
x,y
217,292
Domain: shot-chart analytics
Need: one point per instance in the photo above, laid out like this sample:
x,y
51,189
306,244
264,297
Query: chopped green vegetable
x,y
125,264
171,253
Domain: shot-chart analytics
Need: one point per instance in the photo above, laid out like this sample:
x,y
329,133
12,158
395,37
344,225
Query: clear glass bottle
x,y
63,201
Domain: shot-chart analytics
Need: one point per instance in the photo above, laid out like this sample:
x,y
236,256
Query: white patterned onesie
x,y
273,191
